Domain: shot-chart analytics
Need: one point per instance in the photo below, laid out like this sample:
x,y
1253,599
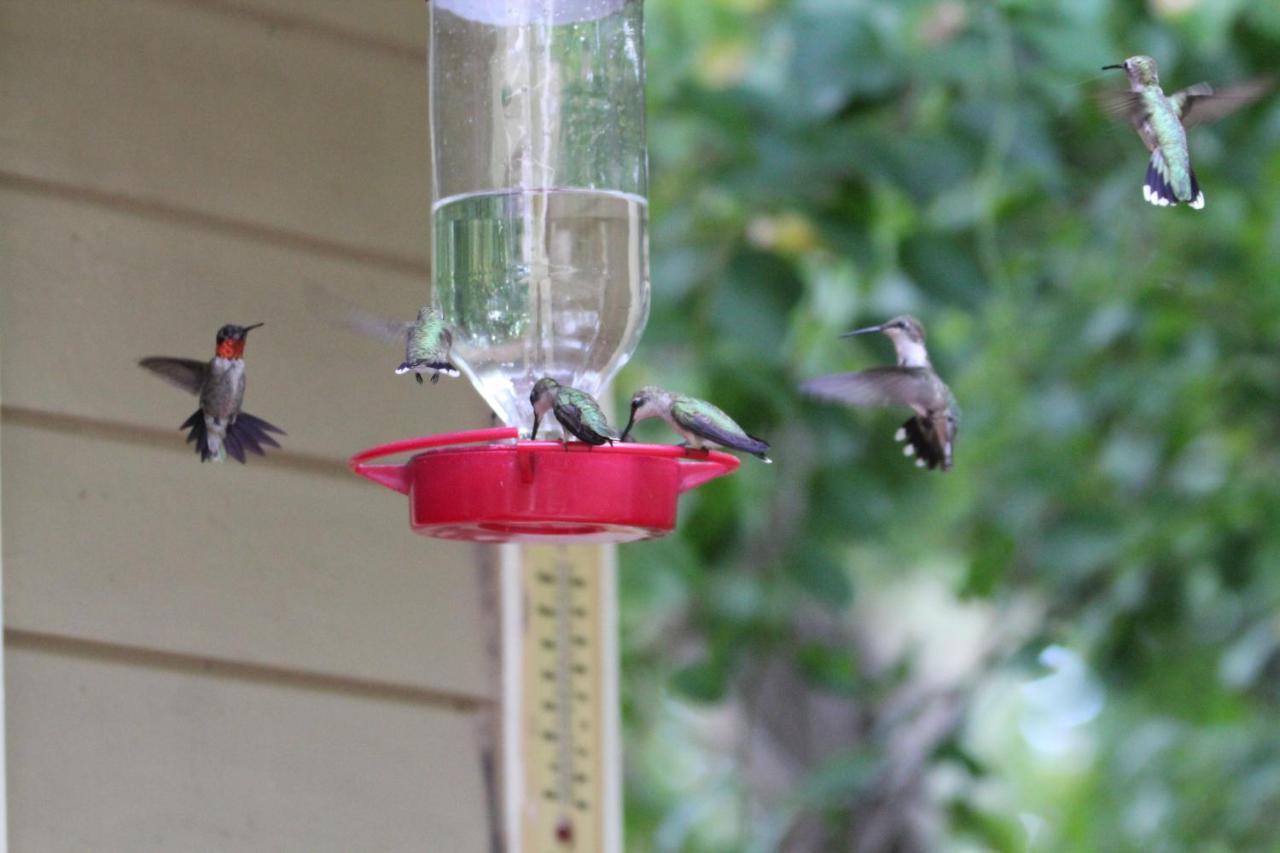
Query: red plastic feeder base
x,y
540,491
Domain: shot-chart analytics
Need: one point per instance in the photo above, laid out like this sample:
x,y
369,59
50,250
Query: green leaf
x,y
823,577
704,681
832,668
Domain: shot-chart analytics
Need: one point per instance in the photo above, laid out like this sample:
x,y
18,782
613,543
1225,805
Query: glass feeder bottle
x,y
540,254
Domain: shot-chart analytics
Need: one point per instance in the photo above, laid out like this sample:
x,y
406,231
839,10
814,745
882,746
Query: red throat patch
x,y
231,348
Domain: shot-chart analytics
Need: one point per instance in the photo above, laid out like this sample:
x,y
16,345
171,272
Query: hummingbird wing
x,y
711,423
1200,103
879,386
185,373
342,314
1123,106
579,413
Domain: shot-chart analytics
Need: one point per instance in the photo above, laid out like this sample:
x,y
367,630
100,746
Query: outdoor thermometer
x,y
560,702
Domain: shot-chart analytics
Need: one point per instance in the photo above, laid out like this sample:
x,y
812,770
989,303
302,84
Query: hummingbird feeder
x,y
540,268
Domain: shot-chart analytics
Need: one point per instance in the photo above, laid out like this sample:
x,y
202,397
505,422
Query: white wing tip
x,y
901,434
909,450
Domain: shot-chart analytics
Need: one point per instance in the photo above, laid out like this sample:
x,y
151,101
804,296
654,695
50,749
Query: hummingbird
x,y
930,434
427,340
577,411
698,421
1161,121
218,427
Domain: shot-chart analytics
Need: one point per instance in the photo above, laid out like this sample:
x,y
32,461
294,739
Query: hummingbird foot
x,y
418,376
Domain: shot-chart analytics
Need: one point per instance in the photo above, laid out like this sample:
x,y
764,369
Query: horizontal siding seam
x,y
121,432
159,211
411,52
190,664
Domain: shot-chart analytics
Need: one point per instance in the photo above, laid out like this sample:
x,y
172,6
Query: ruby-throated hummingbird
x,y
1161,121
218,427
427,340
577,411
699,422
913,383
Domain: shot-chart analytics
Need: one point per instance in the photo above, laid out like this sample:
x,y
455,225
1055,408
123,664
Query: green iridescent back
x,y
429,339
590,415
686,409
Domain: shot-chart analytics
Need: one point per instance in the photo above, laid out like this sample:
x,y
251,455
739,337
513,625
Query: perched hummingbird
x,y
218,427
697,420
1161,121
912,383
577,411
427,340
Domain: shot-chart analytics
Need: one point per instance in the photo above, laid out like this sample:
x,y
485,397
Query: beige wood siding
x,y
222,657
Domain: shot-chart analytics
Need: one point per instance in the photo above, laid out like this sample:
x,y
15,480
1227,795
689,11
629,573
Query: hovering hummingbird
x,y
577,411
218,427
427,340
913,383
1161,121
697,420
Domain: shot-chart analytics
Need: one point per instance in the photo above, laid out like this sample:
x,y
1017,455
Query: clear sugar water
x,y
541,283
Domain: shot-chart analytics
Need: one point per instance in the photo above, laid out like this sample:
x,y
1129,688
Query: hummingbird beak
x,y
631,421
865,331
1118,67
247,329
537,418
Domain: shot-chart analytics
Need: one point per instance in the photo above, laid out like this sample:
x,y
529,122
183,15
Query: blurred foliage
x,y
1072,640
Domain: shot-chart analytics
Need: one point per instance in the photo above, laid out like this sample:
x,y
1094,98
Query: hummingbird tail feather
x,y
761,449
251,441
419,367
921,442
734,440
252,433
258,425
1158,188
235,448
1197,195
199,434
